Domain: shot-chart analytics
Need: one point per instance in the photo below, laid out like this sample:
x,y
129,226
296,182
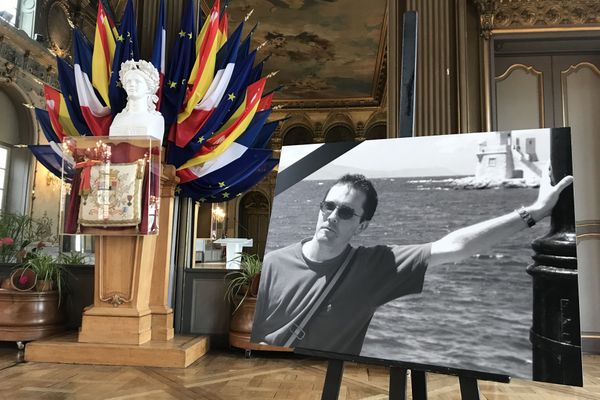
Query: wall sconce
x,y
51,179
218,213
217,225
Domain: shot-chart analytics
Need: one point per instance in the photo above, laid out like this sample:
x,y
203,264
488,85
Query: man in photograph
x,y
322,293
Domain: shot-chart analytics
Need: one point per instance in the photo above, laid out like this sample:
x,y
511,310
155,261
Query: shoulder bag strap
x,y
297,330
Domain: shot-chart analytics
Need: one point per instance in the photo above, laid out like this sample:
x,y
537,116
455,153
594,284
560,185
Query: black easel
x,y
398,373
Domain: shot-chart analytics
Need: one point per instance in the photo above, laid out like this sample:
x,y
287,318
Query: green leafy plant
x,y
18,231
243,282
72,258
47,268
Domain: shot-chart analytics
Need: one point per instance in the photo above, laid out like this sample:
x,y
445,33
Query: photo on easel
x,y
453,251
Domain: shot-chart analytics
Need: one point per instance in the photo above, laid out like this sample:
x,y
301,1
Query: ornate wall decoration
x,y
497,14
55,23
24,60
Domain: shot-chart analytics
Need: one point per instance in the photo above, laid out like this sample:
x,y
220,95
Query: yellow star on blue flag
x,y
201,139
221,184
177,190
182,33
225,195
231,96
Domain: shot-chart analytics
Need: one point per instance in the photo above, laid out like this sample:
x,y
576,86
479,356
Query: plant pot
x,y
23,279
44,286
254,285
240,328
29,315
5,284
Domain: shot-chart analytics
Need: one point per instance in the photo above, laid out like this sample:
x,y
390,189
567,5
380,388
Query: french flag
x,y
97,116
158,52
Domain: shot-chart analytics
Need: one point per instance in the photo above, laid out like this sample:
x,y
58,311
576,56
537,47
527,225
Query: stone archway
x,y
378,131
253,221
298,134
339,133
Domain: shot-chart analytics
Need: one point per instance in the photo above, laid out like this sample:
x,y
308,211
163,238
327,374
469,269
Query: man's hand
x,y
469,240
548,195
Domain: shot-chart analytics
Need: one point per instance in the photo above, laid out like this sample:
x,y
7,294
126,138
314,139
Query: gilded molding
x,y
337,119
21,55
529,69
291,104
116,299
503,14
587,230
487,10
563,85
377,118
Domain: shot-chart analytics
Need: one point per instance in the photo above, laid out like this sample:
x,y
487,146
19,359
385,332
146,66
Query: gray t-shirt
x,y
290,284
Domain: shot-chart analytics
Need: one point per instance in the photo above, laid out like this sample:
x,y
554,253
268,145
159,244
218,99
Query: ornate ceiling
x,y
329,53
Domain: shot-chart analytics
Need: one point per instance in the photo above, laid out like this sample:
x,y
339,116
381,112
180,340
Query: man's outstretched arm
x,y
467,241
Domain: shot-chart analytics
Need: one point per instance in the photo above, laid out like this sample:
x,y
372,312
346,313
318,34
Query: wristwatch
x,y
525,216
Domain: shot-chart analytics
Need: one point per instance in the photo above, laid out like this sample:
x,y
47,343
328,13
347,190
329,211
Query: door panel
x,y
254,221
523,92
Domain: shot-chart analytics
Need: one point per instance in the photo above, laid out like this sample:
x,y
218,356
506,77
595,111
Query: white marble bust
x,y
139,117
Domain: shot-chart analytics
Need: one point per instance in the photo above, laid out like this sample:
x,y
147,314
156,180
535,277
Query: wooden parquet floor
x,y
230,376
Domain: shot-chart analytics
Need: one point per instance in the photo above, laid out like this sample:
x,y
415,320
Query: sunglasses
x,y
344,212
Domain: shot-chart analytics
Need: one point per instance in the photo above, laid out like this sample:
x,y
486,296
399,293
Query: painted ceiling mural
x,y
324,49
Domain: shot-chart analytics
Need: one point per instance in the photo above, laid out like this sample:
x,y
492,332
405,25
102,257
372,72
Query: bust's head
x,y
140,80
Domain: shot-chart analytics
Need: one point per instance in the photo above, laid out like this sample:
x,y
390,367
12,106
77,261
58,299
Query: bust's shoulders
x,y
141,117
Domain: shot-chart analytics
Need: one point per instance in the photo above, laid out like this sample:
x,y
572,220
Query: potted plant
x,y
244,282
73,258
241,290
33,314
50,273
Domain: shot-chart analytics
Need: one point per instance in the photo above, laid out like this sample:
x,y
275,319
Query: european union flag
x,y
250,181
245,46
127,49
181,64
230,192
50,159
262,140
254,129
233,173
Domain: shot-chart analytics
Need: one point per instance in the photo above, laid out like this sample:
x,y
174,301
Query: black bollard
x,y
555,335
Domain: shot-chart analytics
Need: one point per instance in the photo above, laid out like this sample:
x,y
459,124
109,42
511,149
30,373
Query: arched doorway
x,y
297,135
15,162
339,133
378,131
254,221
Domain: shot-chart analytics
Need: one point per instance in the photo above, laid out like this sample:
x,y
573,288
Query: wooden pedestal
x,y
130,322
121,312
162,314
177,353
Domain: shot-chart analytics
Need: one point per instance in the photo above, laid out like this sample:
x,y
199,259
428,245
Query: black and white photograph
x,y
420,250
